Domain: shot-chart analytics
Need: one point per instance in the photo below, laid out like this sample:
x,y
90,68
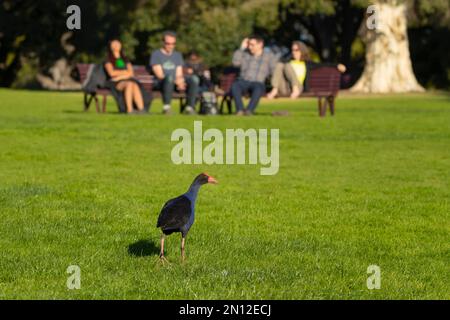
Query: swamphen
x,y
177,215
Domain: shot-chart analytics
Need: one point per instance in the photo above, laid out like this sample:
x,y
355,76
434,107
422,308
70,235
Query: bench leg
x,y
319,105
104,103
182,105
221,105
230,104
322,106
97,107
226,100
331,103
87,100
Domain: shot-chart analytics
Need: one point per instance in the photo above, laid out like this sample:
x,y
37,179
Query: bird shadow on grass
x,y
143,248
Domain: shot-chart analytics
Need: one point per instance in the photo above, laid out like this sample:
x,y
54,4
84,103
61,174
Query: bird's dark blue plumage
x,y
177,214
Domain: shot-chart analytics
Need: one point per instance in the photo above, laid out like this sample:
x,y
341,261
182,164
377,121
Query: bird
x,y
177,214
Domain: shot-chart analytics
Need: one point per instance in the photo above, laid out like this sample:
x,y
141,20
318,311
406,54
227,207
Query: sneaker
x,y
240,113
248,113
189,110
167,109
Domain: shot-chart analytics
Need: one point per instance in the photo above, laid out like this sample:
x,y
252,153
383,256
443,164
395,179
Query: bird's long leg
x,y
183,240
161,254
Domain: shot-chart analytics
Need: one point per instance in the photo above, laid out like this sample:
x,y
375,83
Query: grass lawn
x,y
370,186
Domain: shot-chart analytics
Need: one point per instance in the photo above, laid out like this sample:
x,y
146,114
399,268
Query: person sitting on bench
x,y
289,77
255,65
167,66
195,67
120,72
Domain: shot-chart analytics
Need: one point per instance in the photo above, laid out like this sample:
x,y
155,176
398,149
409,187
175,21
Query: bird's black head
x,y
204,178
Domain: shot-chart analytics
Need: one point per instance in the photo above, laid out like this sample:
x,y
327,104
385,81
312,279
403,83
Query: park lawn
x,y
369,186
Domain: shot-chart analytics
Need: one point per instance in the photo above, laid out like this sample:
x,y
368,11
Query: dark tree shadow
x,y
143,248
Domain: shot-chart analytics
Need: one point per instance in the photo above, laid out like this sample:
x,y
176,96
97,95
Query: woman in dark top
x,y
120,72
291,77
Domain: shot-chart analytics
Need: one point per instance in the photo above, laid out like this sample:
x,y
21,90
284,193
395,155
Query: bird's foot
x,y
163,260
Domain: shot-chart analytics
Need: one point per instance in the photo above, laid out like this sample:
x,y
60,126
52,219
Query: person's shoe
x,y
248,113
167,109
189,110
240,113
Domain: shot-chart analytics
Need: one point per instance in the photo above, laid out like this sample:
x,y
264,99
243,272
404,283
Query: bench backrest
x,y
145,78
324,79
83,69
226,80
321,80
140,73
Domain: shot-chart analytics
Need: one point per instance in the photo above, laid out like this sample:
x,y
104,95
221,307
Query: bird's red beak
x,y
212,180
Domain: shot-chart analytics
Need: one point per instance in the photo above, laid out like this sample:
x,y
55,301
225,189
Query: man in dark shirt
x,y
167,66
255,65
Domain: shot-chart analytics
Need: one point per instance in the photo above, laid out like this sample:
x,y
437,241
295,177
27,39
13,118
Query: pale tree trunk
x,y
388,63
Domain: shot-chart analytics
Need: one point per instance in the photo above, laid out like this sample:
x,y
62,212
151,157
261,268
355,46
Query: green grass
x,y
369,186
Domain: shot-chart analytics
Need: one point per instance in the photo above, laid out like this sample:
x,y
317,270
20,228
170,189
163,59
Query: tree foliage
x,y
35,33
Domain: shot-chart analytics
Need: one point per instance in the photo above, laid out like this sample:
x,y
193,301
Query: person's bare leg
x,y
295,92
128,92
121,86
137,96
183,256
273,93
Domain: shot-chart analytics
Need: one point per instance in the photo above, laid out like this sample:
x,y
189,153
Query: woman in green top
x,y
120,72
289,78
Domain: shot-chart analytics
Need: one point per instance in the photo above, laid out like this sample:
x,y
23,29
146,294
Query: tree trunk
x,y
388,63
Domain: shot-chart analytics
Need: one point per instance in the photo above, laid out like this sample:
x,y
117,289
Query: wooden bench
x,y
140,72
323,83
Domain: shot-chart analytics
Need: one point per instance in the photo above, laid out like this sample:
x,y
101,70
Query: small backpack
x,y
208,103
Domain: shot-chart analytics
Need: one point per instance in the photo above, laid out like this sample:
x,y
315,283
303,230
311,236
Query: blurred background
x,y
38,51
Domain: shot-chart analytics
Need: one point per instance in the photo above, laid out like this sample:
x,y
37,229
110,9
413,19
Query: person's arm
x,y
342,68
158,71
179,78
130,70
179,75
314,65
114,74
188,69
273,63
205,72
156,66
238,55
